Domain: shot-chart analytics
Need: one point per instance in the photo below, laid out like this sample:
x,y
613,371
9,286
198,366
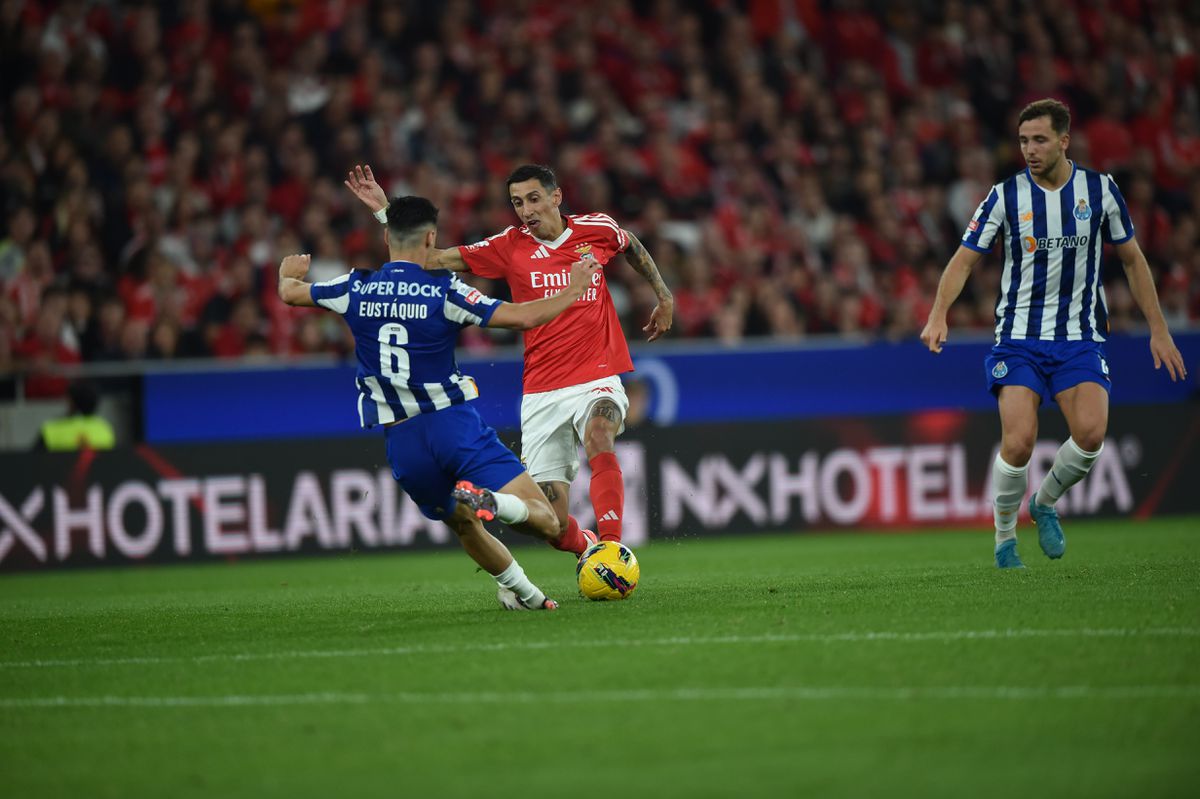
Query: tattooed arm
x,y
664,312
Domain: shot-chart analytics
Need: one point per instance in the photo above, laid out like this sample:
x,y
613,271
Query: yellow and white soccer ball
x,y
607,570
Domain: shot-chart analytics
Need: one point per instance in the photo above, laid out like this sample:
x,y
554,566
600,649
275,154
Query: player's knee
x,y
1090,439
1017,448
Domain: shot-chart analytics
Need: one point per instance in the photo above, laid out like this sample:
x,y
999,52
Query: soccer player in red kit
x,y
573,394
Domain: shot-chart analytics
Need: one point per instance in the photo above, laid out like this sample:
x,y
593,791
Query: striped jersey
x,y
1050,285
405,322
586,342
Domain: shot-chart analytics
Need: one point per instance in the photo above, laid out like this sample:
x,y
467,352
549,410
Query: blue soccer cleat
x,y
1007,557
1050,532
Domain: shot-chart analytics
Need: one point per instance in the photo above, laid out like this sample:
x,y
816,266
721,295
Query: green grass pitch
x,y
797,665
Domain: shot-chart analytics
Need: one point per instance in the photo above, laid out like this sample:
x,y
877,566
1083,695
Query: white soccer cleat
x,y
510,601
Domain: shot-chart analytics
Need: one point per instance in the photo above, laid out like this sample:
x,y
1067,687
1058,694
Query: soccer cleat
x,y
1050,532
510,601
591,539
1007,557
479,500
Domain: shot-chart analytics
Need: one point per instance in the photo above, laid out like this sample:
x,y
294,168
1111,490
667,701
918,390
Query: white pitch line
x,y
798,693
504,646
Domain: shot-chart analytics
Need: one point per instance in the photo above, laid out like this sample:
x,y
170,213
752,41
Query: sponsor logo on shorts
x,y
1000,370
1103,365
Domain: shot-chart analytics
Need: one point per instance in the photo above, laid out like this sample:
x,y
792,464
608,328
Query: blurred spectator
x,y
20,229
43,349
794,168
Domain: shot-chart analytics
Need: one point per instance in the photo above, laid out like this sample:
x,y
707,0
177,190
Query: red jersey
x,y
585,342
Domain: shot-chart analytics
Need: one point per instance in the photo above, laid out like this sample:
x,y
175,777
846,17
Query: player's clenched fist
x,y
582,272
294,266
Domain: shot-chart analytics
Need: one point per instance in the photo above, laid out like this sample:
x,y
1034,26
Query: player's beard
x,y
1048,166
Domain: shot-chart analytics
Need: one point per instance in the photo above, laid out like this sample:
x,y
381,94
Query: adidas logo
x,y
611,516
541,252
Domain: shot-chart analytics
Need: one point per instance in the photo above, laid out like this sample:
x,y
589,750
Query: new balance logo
x,y
540,252
611,516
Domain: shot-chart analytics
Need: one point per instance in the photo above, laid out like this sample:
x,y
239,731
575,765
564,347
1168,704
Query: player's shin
x,y
607,491
572,540
1008,489
1071,464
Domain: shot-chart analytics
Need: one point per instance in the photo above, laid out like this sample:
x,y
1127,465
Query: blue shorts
x,y
1047,367
430,452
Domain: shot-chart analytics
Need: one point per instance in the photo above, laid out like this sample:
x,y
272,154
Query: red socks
x,y
608,495
608,501
572,540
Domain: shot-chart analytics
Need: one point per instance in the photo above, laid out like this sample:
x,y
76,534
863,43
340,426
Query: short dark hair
x,y
543,175
408,217
83,397
1060,115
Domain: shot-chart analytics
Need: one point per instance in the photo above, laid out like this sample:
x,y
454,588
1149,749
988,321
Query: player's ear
x,y
1066,141
387,240
556,197
431,238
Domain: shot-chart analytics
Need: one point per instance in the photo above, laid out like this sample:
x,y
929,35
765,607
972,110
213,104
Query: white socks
x,y
1071,465
513,578
1008,489
510,508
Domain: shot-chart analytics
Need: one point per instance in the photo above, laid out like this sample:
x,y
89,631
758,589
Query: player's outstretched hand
x,y
295,266
934,334
582,272
661,319
1163,348
361,182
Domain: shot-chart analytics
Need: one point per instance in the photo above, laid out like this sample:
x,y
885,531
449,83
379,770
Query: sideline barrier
x,y
688,385
914,471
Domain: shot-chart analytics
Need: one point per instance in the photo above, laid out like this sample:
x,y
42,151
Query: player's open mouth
x,y
531,223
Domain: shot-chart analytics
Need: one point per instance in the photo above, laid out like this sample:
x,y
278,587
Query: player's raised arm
x,y
954,277
663,315
292,288
526,315
361,182
1141,285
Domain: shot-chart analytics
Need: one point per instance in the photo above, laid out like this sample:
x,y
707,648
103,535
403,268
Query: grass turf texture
x,y
740,667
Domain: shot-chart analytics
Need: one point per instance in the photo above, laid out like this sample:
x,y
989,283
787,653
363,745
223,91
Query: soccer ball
x,y
607,570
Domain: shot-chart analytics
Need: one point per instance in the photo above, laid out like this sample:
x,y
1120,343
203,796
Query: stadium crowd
x,y
795,167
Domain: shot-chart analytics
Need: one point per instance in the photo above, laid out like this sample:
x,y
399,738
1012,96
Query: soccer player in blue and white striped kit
x,y
1051,220
405,322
